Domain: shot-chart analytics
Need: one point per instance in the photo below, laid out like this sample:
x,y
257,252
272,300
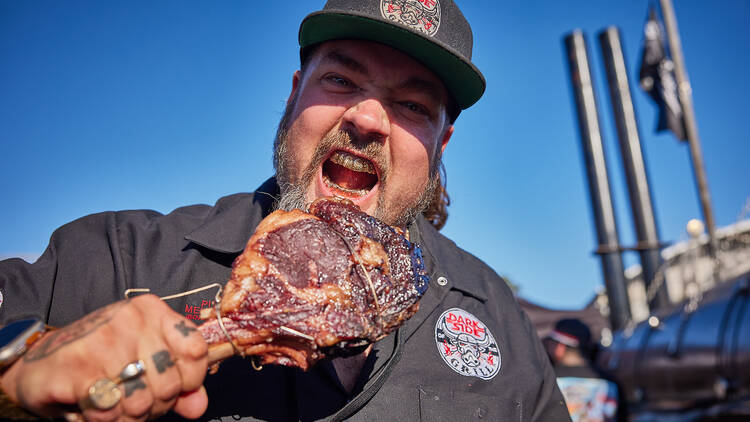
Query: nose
x,y
369,118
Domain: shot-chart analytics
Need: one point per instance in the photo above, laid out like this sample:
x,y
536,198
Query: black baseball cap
x,y
434,32
572,332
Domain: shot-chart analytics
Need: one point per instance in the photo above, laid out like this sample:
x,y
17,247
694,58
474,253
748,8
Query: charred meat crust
x,y
317,284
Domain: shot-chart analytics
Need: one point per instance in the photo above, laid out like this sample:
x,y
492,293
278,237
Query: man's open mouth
x,y
348,174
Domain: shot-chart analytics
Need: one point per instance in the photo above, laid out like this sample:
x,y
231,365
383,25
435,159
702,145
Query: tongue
x,y
349,179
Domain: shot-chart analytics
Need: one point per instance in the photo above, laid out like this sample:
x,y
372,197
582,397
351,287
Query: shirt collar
x,y
438,252
234,218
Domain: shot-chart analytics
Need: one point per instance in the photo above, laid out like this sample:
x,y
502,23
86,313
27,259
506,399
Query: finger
x,y
137,400
101,401
96,415
193,404
190,351
73,417
186,345
163,379
112,386
174,352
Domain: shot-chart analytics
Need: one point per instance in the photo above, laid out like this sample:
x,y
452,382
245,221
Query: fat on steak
x,y
316,284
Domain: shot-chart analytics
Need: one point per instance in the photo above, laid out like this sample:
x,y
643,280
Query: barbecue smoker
x,y
689,358
690,364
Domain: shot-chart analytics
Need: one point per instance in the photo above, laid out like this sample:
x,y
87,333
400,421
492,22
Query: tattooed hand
x,y
54,376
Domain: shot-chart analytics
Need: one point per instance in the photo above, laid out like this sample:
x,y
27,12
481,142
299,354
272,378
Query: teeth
x,y
330,183
352,162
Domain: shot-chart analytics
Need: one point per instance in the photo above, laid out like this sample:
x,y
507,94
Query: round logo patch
x,y
466,344
419,15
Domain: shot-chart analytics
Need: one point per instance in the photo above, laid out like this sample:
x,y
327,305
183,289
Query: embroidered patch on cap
x,y
419,15
466,344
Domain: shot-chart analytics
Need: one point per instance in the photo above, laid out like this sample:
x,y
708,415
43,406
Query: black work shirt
x,y
495,369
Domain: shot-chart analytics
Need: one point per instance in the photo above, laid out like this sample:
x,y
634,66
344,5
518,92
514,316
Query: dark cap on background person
x,y
573,333
433,32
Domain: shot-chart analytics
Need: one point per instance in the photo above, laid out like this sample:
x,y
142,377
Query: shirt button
x,y
442,281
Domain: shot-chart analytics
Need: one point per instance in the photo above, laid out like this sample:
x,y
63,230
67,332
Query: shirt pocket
x,y
456,406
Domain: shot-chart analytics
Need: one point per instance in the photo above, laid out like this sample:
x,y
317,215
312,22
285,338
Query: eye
x,y
338,83
415,108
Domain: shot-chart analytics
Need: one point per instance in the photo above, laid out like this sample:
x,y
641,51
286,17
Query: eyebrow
x,y
346,61
422,85
414,84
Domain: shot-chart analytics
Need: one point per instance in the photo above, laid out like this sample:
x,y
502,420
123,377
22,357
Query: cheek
x,y
411,157
314,113
309,125
317,119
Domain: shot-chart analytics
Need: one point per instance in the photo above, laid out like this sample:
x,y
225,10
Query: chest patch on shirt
x,y
466,344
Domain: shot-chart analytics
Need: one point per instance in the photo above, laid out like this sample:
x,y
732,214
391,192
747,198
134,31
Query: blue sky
x,y
140,104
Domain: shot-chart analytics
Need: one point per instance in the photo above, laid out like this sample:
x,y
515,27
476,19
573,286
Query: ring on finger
x,y
105,393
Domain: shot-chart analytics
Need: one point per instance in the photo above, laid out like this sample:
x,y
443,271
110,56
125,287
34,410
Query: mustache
x,y
347,140
292,186
367,147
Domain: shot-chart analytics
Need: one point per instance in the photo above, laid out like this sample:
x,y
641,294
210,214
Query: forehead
x,y
376,60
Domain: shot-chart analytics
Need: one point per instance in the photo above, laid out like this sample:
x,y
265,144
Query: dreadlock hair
x,y
437,212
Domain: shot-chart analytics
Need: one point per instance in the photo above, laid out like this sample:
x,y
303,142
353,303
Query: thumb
x,y
193,404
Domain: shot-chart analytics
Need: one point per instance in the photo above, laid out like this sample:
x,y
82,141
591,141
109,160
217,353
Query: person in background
x,y
591,394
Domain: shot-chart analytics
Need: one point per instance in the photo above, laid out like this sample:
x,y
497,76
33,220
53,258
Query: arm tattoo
x,y
162,361
184,329
132,385
70,333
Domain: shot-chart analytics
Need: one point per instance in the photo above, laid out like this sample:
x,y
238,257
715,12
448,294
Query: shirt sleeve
x,y
27,288
76,274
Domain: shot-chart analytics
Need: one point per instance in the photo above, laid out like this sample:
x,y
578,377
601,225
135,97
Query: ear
x,y
559,351
446,137
295,85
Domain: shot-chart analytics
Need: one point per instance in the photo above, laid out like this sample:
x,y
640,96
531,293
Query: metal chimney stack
x,y
596,171
635,169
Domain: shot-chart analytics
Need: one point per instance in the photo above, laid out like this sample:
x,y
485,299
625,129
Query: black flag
x,y
657,78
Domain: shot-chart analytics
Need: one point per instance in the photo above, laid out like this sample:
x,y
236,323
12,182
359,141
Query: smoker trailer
x,y
690,364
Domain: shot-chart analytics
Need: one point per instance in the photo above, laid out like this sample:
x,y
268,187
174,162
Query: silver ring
x,y
105,393
130,371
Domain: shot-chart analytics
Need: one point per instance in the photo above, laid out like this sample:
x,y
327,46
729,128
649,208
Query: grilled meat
x,y
314,284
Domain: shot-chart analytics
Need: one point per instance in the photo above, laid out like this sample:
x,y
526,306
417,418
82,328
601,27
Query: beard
x,y
294,189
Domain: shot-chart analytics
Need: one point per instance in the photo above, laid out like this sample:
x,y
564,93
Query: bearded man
x,y
368,118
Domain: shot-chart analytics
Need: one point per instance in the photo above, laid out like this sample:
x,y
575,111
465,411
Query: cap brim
x,y
462,79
